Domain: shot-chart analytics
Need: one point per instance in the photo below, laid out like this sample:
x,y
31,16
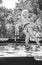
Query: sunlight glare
x,y
10,4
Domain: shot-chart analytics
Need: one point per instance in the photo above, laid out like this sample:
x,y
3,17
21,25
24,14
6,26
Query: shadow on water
x,y
19,60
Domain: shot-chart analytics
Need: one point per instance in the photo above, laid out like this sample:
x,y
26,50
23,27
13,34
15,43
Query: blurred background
x,y
9,16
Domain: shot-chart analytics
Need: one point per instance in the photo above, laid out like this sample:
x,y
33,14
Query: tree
x,y
0,1
40,4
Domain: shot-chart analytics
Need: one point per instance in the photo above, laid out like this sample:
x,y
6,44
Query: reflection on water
x,y
38,58
10,50
20,51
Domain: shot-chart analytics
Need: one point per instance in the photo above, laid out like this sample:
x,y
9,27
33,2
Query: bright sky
x,y
10,4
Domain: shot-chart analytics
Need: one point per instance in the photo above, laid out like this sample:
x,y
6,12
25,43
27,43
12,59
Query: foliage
x,y
0,1
12,16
